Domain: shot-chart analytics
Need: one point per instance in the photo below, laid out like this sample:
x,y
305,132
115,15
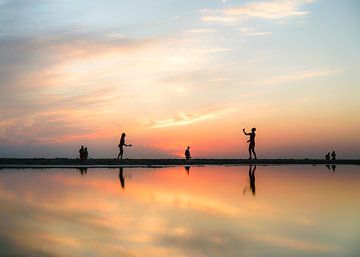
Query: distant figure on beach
x,y
187,153
86,153
251,142
121,177
251,180
82,153
333,156
327,156
121,146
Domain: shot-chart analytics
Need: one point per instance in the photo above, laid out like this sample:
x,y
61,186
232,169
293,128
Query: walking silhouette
x,y
187,153
121,177
251,142
121,146
251,180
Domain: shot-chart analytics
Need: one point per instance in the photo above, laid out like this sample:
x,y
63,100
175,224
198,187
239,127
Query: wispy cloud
x,y
270,10
299,76
254,32
190,118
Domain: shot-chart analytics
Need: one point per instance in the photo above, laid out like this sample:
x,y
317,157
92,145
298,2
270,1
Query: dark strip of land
x,y
112,163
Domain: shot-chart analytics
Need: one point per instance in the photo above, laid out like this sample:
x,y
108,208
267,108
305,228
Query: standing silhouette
x,y
333,156
121,146
82,153
187,153
121,177
86,153
251,142
251,180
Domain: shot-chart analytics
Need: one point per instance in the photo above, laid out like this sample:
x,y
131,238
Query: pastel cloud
x,y
270,10
190,118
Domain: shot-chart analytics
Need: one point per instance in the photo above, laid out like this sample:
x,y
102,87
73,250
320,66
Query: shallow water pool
x,y
181,211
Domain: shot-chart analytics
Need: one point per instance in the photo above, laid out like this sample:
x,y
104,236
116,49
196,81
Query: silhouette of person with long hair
x,y
187,153
251,142
121,146
121,177
251,180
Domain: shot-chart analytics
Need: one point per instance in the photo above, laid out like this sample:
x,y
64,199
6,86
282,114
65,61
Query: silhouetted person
x,y
187,168
86,153
121,177
333,156
121,146
251,142
81,153
251,180
327,156
187,153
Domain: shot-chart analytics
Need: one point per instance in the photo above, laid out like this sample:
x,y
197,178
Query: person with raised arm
x,y
251,142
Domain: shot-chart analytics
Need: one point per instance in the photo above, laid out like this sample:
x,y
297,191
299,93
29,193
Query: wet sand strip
x,y
114,163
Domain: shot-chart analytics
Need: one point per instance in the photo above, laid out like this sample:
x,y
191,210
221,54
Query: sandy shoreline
x,y
113,163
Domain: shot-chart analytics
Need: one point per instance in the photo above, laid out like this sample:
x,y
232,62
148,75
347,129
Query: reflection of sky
x,y
76,72
297,211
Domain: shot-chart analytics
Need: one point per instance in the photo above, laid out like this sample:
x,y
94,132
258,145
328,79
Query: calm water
x,y
205,211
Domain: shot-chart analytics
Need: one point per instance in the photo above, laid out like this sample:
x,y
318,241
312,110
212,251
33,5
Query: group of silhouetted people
x,y
333,156
83,153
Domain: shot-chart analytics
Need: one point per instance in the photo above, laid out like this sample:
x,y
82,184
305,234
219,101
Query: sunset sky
x,y
177,73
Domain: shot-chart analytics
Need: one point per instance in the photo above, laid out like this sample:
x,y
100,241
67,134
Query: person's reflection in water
x,y
187,168
121,177
327,166
82,171
333,167
251,180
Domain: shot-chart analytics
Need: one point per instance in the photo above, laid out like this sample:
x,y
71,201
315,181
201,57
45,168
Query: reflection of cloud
x,y
190,118
287,242
272,10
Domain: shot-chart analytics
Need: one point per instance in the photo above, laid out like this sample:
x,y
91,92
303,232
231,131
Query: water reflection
x,y
121,177
82,170
298,211
333,167
251,186
187,169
